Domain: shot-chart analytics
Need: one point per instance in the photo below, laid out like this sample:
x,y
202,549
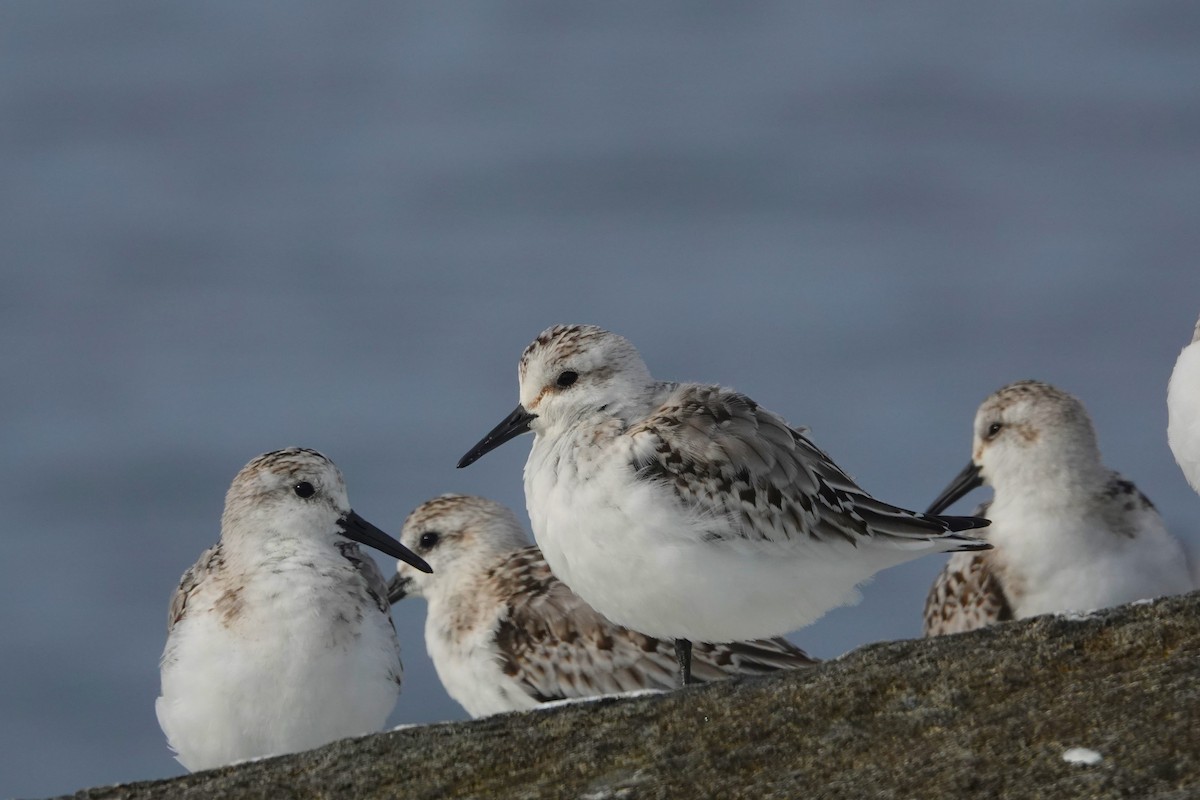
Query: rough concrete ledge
x,y
986,714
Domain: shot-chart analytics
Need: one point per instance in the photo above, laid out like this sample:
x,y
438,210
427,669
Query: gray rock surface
x,y
989,713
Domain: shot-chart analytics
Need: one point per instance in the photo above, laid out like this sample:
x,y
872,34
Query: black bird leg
x,y
683,654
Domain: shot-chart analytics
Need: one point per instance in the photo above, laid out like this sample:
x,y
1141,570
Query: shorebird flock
x,y
681,529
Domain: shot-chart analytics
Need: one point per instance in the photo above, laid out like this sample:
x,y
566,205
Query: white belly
x,y
1183,414
1069,563
277,685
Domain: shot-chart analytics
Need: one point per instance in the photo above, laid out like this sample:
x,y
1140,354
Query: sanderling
x,y
687,511
505,634
1069,533
279,638
1183,410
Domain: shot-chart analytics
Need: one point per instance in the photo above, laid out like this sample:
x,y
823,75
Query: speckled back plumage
x,y
723,454
967,594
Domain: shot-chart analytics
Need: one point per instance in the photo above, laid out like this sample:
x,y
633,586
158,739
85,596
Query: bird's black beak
x,y
511,427
355,527
398,588
970,478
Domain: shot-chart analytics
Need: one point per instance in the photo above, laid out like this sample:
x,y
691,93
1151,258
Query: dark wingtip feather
x,y
956,524
966,543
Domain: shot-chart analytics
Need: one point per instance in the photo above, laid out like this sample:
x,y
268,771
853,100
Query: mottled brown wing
x,y
557,646
210,560
712,662
966,595
758,478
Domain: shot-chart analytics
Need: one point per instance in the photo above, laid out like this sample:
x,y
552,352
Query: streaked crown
x,y
286,489
460,536
571,369
1033,431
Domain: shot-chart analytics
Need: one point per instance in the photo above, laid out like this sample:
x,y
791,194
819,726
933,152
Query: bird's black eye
x,y
566,378
429,539
304,489
994,429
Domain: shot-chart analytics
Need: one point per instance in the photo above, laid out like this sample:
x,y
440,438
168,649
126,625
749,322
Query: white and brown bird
x,y
279,638
506,635
688,511
1068,533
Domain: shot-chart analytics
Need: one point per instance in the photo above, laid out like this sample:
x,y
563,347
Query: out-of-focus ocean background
x,y
228,228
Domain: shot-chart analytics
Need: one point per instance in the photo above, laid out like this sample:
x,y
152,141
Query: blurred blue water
x,y
230,228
